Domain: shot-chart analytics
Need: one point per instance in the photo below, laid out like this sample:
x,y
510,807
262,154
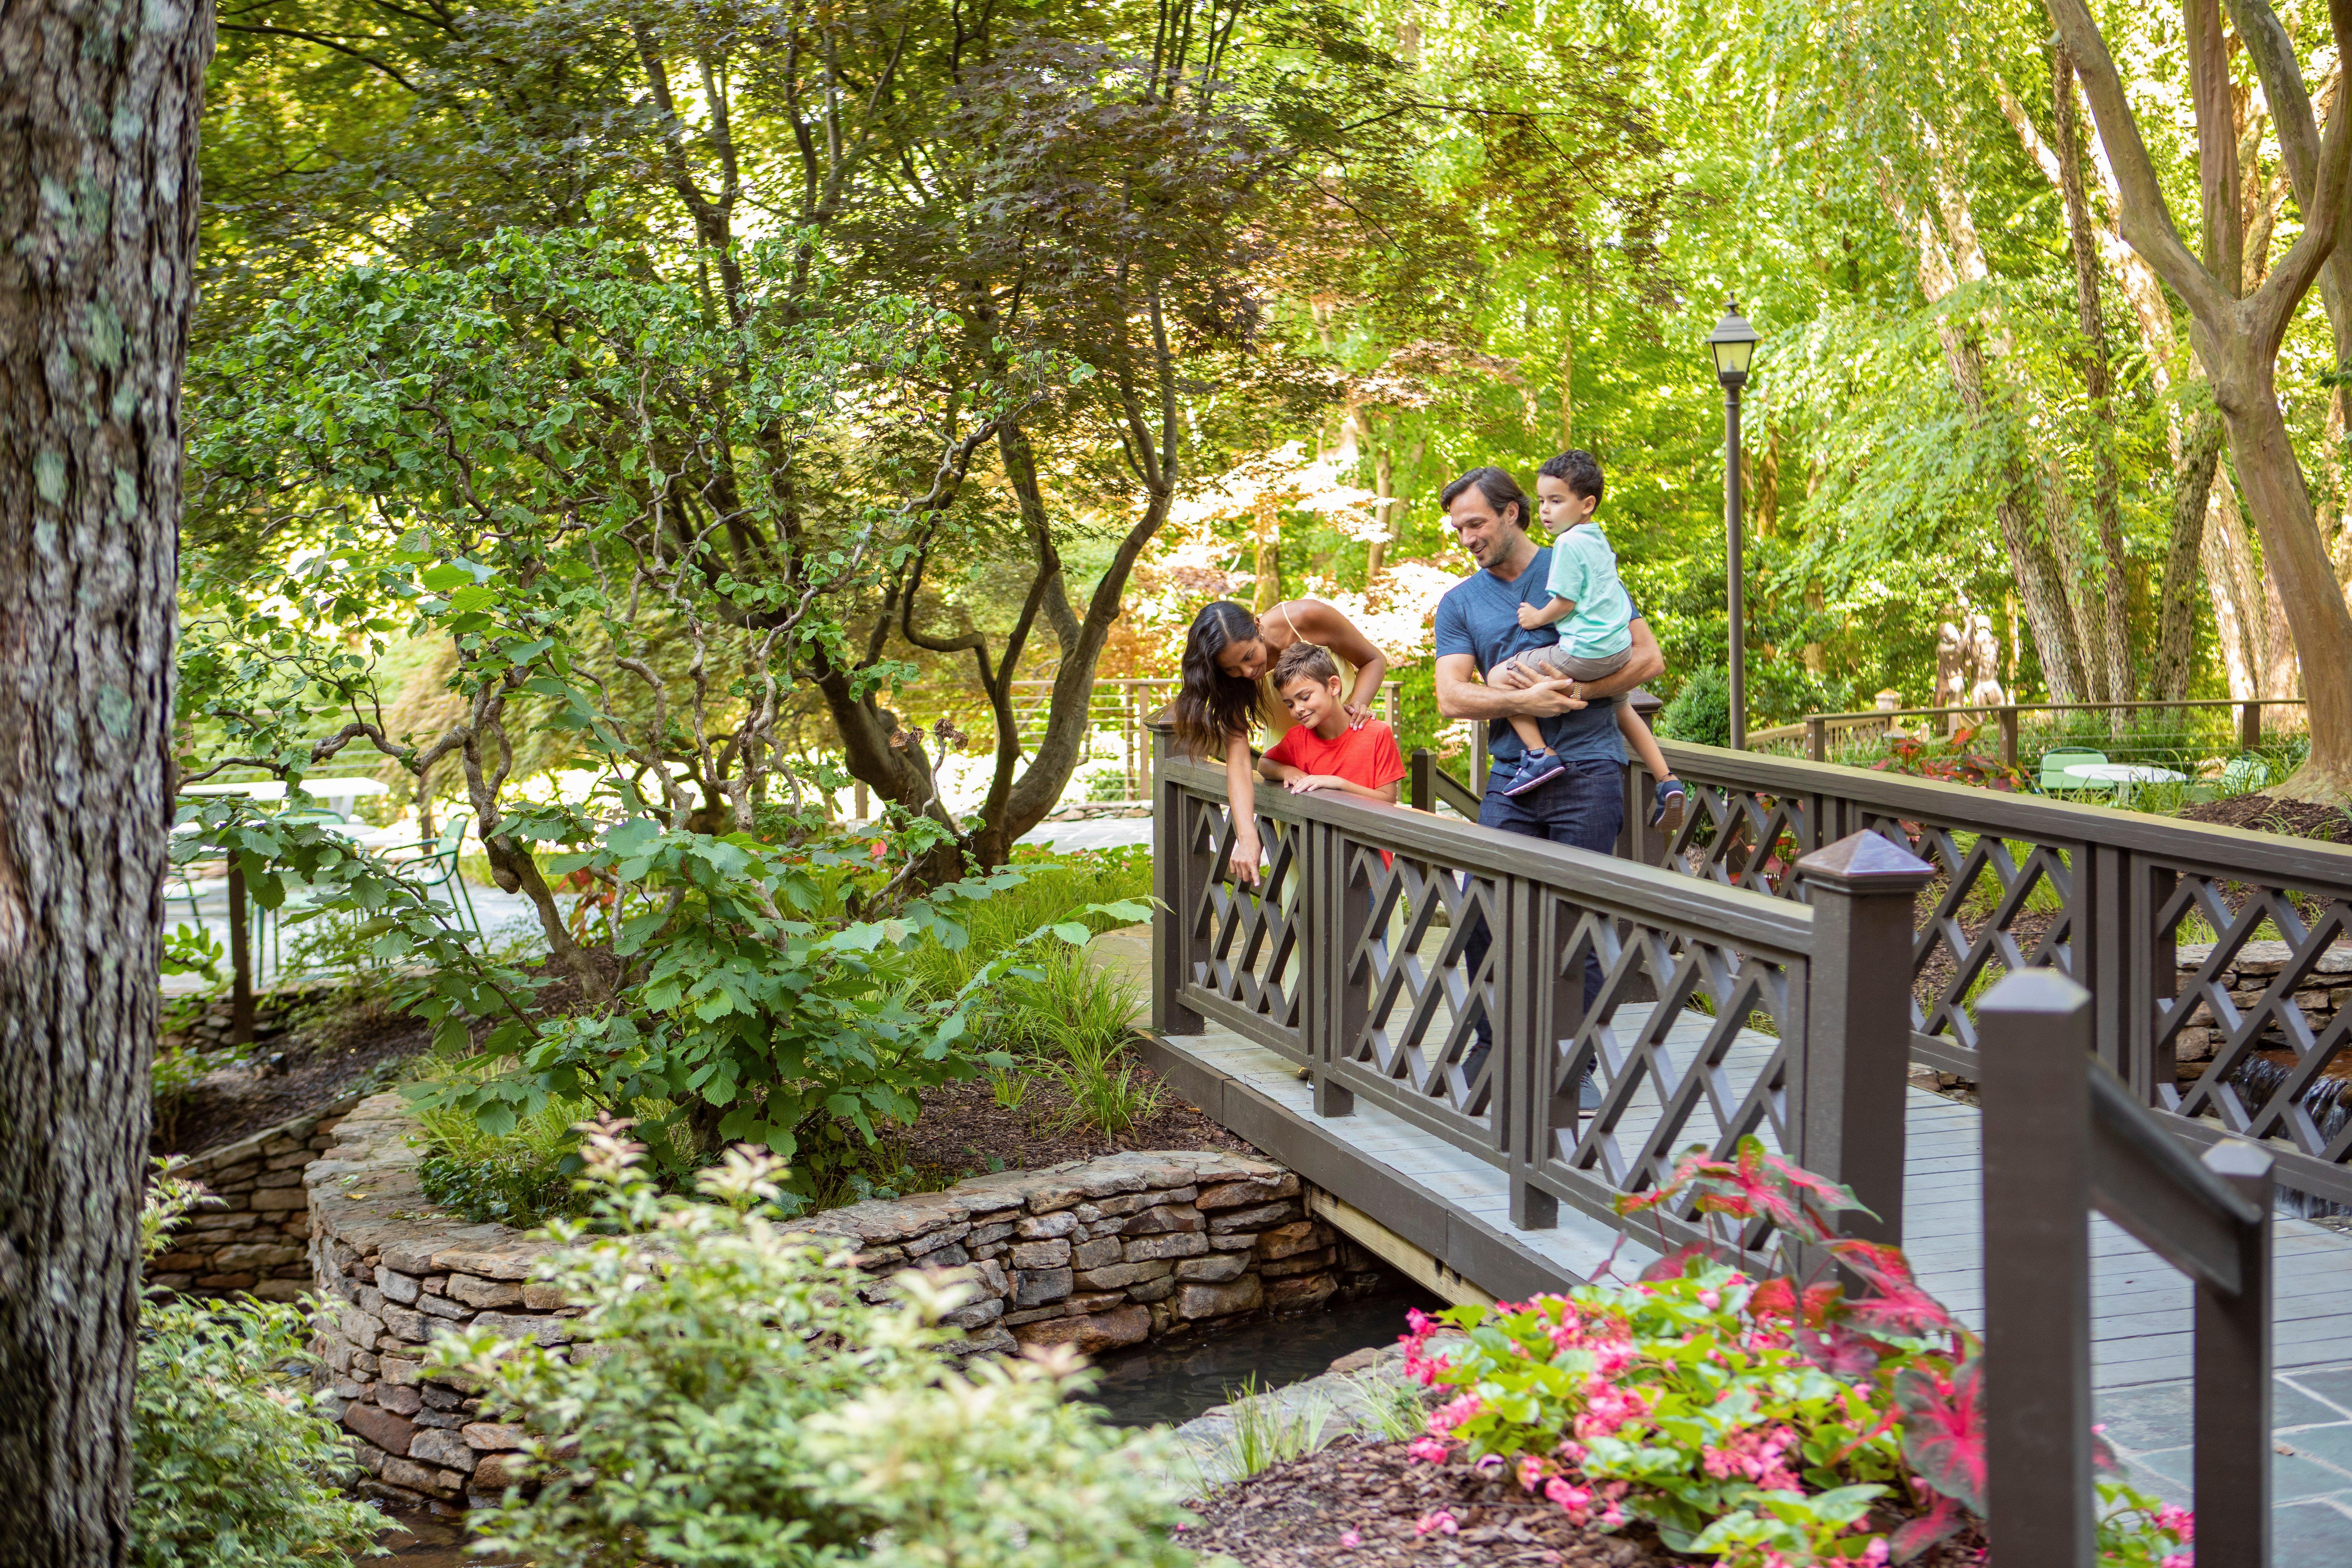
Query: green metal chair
x,y
2058,759
2245,773
431,864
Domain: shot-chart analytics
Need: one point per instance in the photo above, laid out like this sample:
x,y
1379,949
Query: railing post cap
x,y
1866,862
2033,991
1162,721
2235,1159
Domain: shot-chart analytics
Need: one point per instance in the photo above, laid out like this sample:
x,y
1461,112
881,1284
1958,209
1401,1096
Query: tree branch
x,y
2146,218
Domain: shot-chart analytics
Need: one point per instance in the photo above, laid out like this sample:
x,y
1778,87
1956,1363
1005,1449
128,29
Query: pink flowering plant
x,y
1757,1422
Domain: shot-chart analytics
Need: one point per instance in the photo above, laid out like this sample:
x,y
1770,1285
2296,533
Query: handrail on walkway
x,y
2218,960
1466,981
2061,1137
1815,727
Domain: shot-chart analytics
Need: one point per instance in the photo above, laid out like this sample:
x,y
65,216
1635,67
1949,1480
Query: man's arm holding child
x,y
1645,663
1461,694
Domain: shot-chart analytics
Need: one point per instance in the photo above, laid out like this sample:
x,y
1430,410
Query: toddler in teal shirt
x,y
1595,617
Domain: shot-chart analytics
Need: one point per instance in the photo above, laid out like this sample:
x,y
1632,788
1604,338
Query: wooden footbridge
x,y
1808,950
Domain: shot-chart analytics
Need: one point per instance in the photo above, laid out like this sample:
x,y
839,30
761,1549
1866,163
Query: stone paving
x,y
2311,1461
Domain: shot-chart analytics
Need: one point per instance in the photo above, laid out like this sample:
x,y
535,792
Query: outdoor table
x,y
2120,776
2123,773
339,793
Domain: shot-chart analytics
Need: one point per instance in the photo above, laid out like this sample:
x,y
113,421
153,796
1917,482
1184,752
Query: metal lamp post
x,y
1733,344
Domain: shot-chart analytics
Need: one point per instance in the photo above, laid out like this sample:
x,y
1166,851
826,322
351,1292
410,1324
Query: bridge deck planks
x,y
2140,1308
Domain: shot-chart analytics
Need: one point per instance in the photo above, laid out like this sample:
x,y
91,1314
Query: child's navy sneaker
x,y
1536,769
1668,812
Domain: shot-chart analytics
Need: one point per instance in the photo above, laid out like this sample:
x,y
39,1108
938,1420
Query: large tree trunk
x,y
2238,611
2298,568
2192,485
2238,333
98,198
2041,581
2114,628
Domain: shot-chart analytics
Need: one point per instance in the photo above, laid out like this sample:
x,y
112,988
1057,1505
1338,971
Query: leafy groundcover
x,y
1707,1412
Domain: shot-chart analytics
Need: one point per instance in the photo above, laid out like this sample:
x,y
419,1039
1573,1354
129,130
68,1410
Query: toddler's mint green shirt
x,y
1585,570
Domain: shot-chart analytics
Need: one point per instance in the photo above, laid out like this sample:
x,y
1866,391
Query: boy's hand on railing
x,y
1306,783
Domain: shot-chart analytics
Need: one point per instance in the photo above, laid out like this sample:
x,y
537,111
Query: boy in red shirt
x,y
1320,752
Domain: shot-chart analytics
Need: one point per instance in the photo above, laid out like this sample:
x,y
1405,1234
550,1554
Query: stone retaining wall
x,y
1097,1254
253,1238
2322,994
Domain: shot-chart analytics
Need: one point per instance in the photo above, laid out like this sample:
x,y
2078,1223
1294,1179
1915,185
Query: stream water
x,y
1174,1381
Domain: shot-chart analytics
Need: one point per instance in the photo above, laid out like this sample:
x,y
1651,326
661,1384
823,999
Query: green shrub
x,y
755,1003
744,1405
1050,887
232,1465
1700,713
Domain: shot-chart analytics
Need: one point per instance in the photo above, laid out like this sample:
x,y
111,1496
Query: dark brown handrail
x,y
1325,964
2118,887
2063,1137
1815,727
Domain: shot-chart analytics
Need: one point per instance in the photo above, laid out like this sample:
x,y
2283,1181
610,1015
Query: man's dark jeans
x,y
1582,806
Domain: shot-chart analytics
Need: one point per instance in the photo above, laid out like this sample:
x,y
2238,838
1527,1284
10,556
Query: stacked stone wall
x,y
1095,1254
2321,994
253,1237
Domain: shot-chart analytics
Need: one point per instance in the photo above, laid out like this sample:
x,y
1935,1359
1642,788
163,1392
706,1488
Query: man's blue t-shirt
x,y
1480,617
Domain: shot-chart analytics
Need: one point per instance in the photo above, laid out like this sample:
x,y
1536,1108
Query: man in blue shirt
x,y
1477,630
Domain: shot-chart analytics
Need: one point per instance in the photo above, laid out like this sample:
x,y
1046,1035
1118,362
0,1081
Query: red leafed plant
x,y
1954,763
1695,1398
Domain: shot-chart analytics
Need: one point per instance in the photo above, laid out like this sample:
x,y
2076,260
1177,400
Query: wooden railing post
x,y
2249,727
1817,738
2037,1192
1849,1092
2231,1378
1332,1012
1179,874
2009,736
1423,792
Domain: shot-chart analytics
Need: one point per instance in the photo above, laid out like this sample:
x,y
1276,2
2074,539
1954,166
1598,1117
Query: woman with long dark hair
x,y
1223,696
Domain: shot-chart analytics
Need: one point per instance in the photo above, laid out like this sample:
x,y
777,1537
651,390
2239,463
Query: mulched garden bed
x,y
311,1056
2266,814
962,1131
1295,1515
316,1063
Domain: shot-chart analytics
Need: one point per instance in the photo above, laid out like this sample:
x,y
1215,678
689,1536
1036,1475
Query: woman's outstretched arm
x,y
1241,790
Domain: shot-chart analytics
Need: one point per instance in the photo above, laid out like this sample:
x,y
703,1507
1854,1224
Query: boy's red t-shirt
x,y
1368,756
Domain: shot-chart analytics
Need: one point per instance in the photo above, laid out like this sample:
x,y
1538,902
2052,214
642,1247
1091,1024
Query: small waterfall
x,y
2329,1101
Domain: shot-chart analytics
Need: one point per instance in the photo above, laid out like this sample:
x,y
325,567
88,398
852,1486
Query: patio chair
x,y
432,864
2245,773
2058,759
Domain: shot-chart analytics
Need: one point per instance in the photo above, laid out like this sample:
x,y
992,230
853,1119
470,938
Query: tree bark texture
x,y
2176,616
2033,563
2194,443
99,106
2106,510
2237,333
2298,571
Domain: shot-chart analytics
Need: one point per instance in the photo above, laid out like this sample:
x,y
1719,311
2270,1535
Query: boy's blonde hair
x,y
1303,660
